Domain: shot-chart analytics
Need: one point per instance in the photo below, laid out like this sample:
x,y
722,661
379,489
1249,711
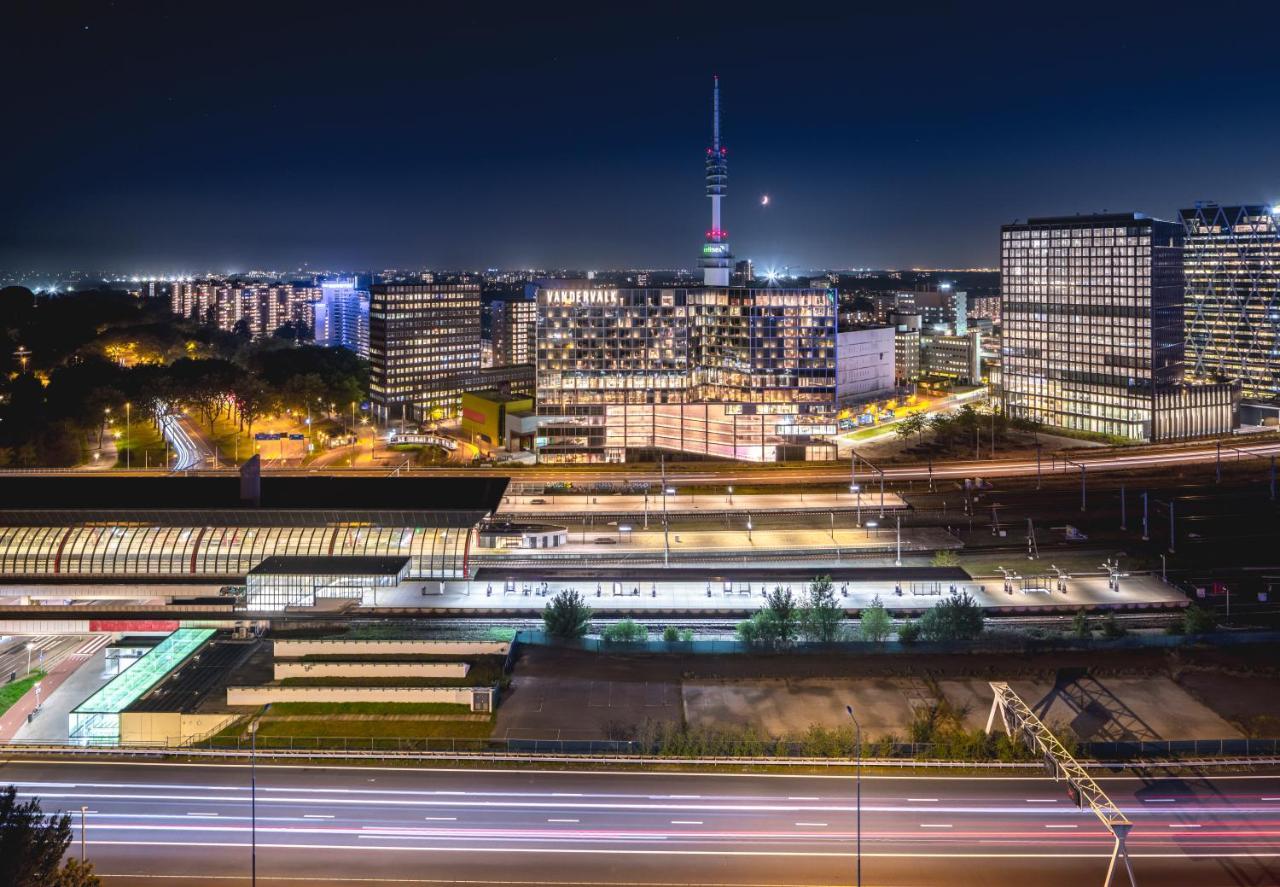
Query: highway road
x,y
180,824
1256,450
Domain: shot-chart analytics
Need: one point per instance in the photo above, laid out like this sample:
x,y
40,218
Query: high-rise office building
x,y
424,347
342,316
1092,310
744,273
513,326
1232,270
735,372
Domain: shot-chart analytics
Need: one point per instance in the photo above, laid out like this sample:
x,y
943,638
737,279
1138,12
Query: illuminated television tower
x,y
716,258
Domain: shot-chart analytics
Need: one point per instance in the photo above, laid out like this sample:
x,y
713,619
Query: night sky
x,y
460,135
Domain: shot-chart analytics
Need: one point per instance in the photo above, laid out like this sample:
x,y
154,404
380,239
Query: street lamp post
x,y
730,497
858,782
748,528
253,796
128,450
897,520
857,490
83,811
30,647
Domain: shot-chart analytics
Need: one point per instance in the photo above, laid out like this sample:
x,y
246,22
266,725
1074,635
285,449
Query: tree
x,y
1198,620
913,425
1111,629
822,614
32,846
945,558
781,616
1080,624
957,618
566,615
252,401
875,624
909,632
671,634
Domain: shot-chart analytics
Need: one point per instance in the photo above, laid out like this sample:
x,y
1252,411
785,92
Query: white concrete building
x,y
864,364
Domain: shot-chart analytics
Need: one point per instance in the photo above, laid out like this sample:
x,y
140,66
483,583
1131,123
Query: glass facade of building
x,y
280,582
342,317
424,347
139,549
1092,311
697,370
96,721
1092,335
1232,268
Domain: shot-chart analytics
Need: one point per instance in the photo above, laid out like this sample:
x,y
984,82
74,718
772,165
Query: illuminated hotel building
x,y
1092,310
720,371
424,348
1232,269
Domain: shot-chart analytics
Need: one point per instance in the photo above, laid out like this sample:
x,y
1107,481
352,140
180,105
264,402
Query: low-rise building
x,y
952,358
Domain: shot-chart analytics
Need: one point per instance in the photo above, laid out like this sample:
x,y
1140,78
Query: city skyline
x,y
539,145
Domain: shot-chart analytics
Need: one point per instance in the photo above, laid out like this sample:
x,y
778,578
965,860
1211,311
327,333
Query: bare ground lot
x,y
1192,693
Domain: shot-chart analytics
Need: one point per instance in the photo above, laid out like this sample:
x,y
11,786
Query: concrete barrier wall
x,y
264,695
285,649
287,669
168,728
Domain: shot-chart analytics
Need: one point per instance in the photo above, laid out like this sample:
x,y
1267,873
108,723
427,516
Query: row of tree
x,y
817,616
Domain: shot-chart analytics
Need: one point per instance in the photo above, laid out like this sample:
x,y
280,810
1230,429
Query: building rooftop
x,y
342,565
434,501
493,396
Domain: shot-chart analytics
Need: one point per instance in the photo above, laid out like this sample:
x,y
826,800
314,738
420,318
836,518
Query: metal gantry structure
x,y
1021,723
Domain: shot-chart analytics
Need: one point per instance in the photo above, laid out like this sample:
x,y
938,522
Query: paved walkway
x,y
610,541
72,681
550,506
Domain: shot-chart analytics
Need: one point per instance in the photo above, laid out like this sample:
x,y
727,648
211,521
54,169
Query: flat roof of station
x,y
342,565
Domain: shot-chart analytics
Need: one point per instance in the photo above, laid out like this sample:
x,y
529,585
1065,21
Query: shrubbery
x,y
627,631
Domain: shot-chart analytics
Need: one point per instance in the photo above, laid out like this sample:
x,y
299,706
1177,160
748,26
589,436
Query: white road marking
x,y
935,825
923,800
1042,800
812,824
801,798
562,820
686,822
202,814
317,816
1159,801
1183,825
1062,826
669,851
439,819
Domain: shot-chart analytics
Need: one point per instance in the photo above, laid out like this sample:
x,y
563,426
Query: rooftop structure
x,y
97,719
717,260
